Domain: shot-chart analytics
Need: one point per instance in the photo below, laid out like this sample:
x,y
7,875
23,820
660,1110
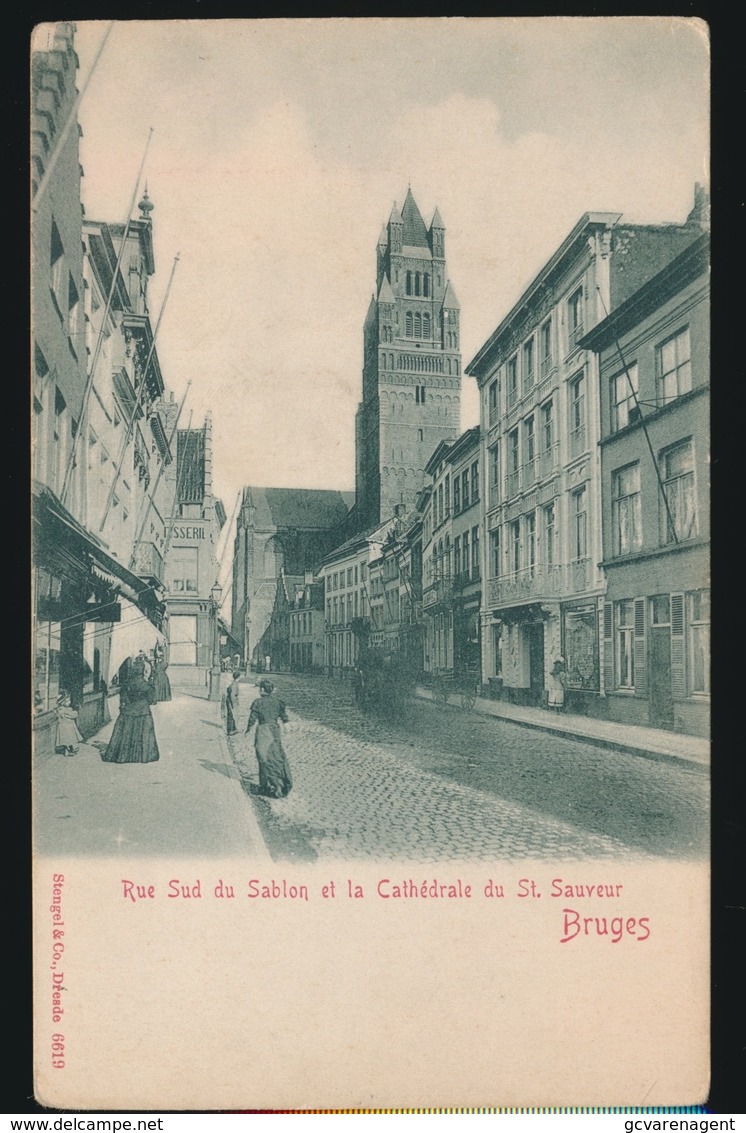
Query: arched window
x,y
418,325
426,324
426,285
416,283
391,361
409,283
448,365
408,323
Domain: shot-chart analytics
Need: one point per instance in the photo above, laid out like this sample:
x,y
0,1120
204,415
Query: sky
x,y
280,146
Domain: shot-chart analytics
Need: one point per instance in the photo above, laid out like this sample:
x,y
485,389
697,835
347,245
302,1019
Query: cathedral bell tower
x,y
411,365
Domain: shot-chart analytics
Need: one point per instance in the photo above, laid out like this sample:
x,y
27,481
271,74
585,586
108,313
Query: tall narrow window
x,y
447,495
624,408
426,285
575,318
493,464
426,325
456,495
547,438
418,325
495,552
408,324
546,348
409,283
457,556
515,546
475,572
512,475
577,416
679,520
492,402
550,534
416,283
528,366
531,543
529,451
465,489
475,481
512,381
465,560
699,641
673,367
626,517
579,533
625,651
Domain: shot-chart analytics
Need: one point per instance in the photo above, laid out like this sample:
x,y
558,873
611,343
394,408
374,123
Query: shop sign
x,y
187,532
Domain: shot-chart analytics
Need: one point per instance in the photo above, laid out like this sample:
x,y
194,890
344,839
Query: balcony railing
x,y
439,592
148,561
539,583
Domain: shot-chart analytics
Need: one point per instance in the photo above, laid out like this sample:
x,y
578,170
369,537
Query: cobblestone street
x,y
444,784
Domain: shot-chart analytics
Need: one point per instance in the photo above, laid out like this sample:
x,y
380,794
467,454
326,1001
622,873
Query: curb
x,y
600,741
262,853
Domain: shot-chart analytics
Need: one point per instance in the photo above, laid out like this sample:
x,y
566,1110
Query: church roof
x,y
305,508
383,239
437,221
414,233
450,299
385,294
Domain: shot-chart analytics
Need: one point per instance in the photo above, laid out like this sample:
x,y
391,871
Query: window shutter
x,y
608,636
641,671
678,670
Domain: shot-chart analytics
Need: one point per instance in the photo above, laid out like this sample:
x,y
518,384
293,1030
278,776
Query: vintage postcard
x,y
371,606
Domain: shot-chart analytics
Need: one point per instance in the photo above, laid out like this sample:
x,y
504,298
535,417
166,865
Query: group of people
x,y
266,712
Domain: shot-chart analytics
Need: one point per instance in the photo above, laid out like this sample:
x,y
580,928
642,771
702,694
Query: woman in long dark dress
x,y
275,779
133,738
160,677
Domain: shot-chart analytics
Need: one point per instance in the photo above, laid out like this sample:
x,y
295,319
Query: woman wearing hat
x,y
275,779
133,739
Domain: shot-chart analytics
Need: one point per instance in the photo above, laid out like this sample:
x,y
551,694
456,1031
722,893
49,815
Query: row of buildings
x,y
125,525
571,525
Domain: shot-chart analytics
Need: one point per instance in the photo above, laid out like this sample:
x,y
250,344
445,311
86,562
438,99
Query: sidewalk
x,y
190,802
653,742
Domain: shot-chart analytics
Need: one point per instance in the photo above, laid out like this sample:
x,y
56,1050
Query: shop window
x,y
182,639
184,570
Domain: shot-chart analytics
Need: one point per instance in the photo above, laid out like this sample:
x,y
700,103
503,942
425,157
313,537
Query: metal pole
x,y
137,405
99,341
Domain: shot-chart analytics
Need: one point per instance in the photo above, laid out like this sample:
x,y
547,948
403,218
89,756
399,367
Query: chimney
x,y
700,214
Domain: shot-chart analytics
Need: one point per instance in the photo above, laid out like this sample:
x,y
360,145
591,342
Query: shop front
x,y
581,657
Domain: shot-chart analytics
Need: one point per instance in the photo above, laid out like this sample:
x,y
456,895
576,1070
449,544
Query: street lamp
x,y
215,594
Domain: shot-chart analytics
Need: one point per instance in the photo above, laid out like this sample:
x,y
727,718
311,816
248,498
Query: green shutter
x,y
641,671
678,652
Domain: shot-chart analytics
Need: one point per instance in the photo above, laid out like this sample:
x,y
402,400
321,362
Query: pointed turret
x,y
383,239
395,231
437,236
450,299
415,233
371,315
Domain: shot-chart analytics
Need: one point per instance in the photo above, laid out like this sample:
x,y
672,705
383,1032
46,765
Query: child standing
x,y
68,736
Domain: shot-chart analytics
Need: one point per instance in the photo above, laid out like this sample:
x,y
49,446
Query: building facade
x,y
452,558
540,415
351,619
278,529
653,355
411,366
307,631
191,555
94,392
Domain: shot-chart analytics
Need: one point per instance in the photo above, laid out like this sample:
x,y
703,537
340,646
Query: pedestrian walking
x,y
267,710
231,704
267,662
556,685
160,676
68,736
133,738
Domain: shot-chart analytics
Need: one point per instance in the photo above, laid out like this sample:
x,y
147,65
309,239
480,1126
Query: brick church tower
x,y
411,366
